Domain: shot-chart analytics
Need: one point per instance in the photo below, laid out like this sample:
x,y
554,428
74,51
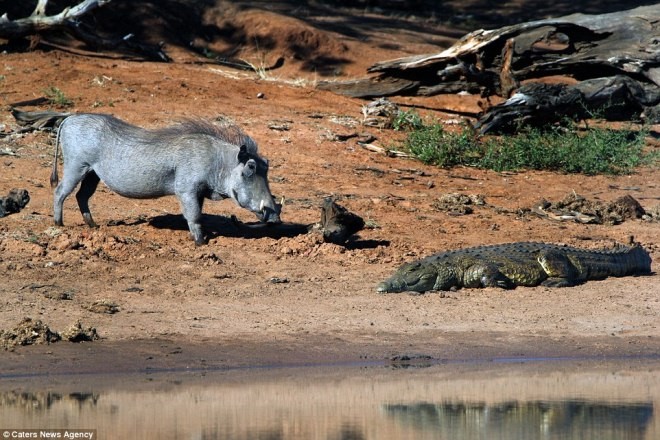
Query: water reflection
x,y
527,420
527,401
43,401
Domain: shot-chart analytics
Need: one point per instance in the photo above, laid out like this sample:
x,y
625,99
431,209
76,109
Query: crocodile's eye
x,y
409,268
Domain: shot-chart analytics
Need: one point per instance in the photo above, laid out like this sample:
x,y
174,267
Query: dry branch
x,y
69,21
624,41
381,150
38,21
618,52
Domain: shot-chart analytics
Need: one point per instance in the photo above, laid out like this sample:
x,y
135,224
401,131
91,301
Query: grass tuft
x,y
57,97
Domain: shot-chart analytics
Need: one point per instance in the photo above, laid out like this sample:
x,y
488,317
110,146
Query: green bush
x,y
556,148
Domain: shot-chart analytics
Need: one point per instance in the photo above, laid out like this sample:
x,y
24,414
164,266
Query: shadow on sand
x,y
221,226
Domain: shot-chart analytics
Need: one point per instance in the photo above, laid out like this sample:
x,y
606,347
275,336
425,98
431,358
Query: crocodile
x,y
517,264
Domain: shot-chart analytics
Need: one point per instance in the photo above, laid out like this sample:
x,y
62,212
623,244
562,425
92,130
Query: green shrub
x,y
432,144
556,148
594,151
407,120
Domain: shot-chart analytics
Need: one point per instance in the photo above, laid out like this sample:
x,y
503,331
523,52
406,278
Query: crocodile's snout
x,y
383,287
411,277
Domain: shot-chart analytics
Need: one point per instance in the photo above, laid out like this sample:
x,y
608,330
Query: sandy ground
x,y
278,296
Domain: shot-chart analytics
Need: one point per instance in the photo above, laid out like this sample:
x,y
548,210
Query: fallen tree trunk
x,y
69,21
616,98
38,21
606,48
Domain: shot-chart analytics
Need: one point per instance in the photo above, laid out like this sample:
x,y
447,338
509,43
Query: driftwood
x,y
614,98
38,21
615,59
385,151
39,120
69,21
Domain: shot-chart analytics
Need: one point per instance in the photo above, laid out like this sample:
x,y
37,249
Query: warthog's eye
x,y
250,168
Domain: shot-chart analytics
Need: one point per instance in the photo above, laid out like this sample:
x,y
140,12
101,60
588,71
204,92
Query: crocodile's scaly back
x,y
517,264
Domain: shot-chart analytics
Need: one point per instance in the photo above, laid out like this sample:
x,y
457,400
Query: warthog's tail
x,y
54,179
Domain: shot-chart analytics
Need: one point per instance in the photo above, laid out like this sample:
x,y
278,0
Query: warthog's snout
x,y
270,215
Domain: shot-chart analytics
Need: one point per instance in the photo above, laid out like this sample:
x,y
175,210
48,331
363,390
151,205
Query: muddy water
x,y
503,400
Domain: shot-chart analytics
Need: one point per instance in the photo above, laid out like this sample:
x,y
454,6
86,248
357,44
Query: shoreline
x,y
173,355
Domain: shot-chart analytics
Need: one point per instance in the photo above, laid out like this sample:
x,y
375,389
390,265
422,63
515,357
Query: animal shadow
x,y
221,226
355,243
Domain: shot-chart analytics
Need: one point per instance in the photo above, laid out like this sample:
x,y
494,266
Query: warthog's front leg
x,y
191,206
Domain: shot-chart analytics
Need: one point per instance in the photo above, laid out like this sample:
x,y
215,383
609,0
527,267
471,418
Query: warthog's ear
x,y
243,155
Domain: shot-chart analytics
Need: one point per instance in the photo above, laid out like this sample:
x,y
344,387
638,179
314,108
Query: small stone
x,y
278,280
78,333
103,306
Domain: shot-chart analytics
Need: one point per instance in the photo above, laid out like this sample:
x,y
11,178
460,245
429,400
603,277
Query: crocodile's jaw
x,y
411,277
385,287
395,286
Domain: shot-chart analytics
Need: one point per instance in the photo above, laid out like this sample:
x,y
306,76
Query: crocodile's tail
x,y
628,260
640,259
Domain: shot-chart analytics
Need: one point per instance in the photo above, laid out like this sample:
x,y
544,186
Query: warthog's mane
x,y
225,131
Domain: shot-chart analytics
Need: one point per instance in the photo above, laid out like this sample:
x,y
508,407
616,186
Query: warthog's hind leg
x,y
62,191
87,189
191,205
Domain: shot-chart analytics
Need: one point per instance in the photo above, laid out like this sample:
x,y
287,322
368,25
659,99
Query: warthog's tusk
x,y
261,206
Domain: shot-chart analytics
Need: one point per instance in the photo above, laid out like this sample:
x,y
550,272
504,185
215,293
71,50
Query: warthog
x,y
193,160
